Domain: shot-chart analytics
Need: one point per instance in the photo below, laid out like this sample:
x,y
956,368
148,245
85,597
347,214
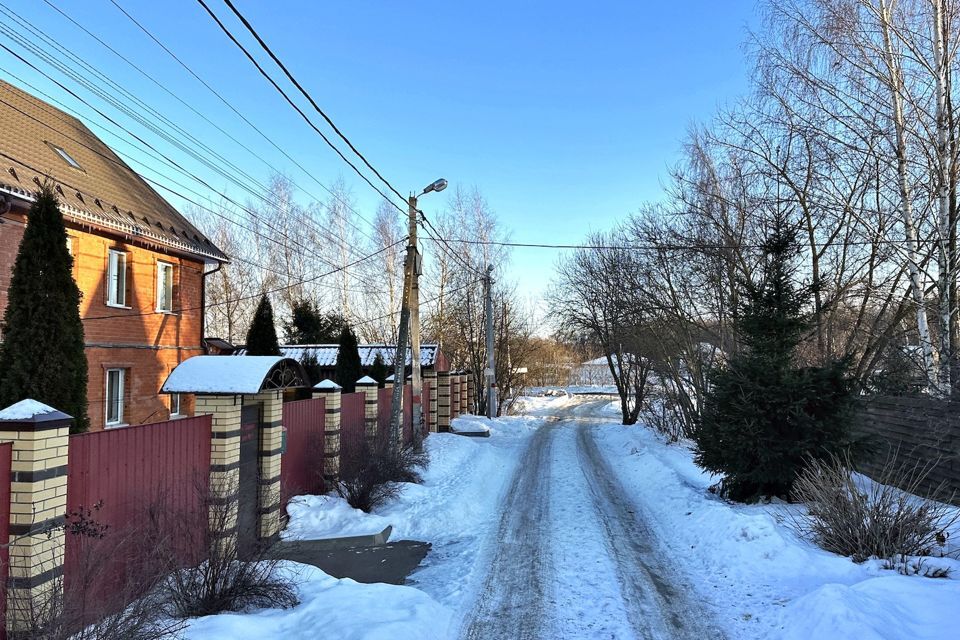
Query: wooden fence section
x,y
6,457
128,482
919,431
352,431
301,470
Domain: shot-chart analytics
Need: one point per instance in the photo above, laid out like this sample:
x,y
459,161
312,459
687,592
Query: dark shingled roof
x,y
102,192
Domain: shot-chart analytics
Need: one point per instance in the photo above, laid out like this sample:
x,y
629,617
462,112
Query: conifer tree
x,y
262,336
308,325
765,415
378,370
42,355
348,369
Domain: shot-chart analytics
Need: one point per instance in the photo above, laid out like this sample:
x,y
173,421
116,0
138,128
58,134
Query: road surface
x,y
574,556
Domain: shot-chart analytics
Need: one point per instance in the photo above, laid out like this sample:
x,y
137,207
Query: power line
x,y
166,159
253,297
652,246
442,244
207,119
303,91
291,103
243,184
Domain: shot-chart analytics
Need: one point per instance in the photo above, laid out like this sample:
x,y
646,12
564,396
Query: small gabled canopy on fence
x,y
216,375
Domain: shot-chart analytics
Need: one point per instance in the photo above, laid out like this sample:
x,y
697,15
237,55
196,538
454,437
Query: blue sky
x,y
566,115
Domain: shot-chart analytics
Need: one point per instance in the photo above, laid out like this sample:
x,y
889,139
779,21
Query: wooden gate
x,y
247,521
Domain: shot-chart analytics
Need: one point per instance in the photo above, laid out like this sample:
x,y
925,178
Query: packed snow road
x,y
574,557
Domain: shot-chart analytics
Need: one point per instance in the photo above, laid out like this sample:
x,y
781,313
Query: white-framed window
x,y
164,286
174,404
116,380
117,278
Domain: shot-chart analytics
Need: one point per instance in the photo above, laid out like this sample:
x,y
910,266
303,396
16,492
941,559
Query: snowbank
x,y
762,580
319,517
332,608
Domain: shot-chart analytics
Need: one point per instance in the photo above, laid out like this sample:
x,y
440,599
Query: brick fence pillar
x,y
370,389
330,391
224,463
464,393
269,453
443,401
471,394
454,394
388,383
430,377
38,505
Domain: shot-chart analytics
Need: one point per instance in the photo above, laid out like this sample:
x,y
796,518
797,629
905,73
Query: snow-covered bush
x,y
371,479
865,520
227,580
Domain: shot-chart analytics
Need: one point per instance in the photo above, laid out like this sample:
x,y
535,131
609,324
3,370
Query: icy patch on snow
x,y
332,608
758,575
25,409
319,517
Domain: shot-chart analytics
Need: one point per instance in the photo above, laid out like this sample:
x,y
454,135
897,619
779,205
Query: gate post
x,y
443,401
464,392
38,505
269,453
430,376
330,391
370,388
224,465
454,395
471,394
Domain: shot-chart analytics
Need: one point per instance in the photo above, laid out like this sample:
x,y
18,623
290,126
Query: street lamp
x,y
410,319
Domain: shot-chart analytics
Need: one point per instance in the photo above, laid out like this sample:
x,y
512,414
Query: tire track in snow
x,y
659,602
511,601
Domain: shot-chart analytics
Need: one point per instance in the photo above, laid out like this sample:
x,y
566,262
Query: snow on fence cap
x,y
367,380
223,374
390,378
31,411
327,384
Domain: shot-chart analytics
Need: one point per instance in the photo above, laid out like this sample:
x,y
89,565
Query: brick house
x,y
140,265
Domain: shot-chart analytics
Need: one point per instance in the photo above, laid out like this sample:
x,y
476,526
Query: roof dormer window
x,y
66,157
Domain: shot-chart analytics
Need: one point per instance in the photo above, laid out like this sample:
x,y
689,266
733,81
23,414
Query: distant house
x,y
140,265
323,357
591,373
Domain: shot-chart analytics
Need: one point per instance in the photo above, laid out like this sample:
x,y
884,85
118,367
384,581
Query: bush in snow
x,y
227,580
878,520
765,415
371,478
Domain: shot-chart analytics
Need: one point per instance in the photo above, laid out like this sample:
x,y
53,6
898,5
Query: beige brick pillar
x,y
454,394
471,394
443,401
464,393
271,444
330,391
430,377
370,389
224,463
388,383
38,505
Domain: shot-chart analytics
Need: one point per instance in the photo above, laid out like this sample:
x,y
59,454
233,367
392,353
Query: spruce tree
x,y
348,369
42,356
307,325
765,415
262,336
378,370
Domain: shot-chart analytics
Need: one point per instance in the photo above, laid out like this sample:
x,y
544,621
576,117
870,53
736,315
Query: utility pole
x,y
491,371
410,329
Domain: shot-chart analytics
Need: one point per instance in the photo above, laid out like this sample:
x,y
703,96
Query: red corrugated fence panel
x,y
302,465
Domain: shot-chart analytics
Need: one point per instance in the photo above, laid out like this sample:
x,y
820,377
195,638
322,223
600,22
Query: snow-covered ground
x,y
762,580
747,567
455,509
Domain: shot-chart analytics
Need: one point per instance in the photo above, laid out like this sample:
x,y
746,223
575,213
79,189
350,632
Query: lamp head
x,y
437,185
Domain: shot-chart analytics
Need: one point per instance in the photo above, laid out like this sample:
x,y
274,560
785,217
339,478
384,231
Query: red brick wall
x,y
149,344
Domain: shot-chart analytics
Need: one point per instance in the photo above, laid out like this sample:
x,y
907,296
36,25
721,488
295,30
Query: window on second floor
x,y
164,286
117,279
